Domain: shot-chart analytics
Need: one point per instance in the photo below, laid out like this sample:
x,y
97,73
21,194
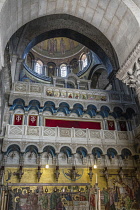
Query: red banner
x,y
74,124
111,125
18,120
32,120
123,126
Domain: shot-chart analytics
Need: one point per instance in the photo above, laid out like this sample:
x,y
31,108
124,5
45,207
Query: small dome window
x,y
84,60
63,70
39,67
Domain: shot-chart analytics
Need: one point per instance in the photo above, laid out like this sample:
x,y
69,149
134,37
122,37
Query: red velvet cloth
x,y
111,125
32,120
71,123
18,119
123,126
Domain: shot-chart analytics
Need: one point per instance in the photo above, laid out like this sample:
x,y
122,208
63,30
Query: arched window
x,y
39,67
84,61
63,70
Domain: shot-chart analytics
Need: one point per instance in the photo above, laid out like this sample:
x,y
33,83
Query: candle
x,y
96,178
99,200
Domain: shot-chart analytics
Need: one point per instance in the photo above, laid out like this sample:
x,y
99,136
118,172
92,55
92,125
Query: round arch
x,y
72,27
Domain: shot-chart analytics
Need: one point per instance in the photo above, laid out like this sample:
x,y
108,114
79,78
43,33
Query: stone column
x,y
118,125
66,83
19,67
78,82
25,118
80,66
11,117
89,84
57,71
46,71
13,66
128,125
105,124
40,119
54,82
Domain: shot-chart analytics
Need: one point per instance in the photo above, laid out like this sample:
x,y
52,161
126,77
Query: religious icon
x,y
77,95
103,98
49,93
90,97
56,94
63,94
62,46
84,96
69,95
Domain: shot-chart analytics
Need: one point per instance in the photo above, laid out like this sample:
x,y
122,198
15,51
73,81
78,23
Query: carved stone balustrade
x,y
55,135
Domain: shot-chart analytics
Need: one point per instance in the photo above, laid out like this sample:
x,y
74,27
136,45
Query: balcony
x,y
43,93
55,135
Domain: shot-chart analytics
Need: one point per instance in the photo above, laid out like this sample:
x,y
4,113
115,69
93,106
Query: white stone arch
x,y
73,115
122,118
13,98
86,116
65,145
60,114
84,146
29,144
110,118
33,112
98,146
119,106
111,24
49,144
63,101
113,147
107,105
126,147
19,111
47,113
5,147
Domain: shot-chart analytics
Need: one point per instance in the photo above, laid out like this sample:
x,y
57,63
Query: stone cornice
x,y
129,62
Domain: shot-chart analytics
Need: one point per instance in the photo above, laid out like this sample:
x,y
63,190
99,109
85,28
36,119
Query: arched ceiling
x,y
118,20
59,26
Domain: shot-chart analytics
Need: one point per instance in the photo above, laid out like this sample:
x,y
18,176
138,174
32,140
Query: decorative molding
x,y
127,65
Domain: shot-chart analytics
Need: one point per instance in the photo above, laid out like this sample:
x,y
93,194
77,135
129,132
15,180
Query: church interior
x,y
70,104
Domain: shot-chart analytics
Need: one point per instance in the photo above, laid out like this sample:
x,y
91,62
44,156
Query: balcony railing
x,y
43,91
66,135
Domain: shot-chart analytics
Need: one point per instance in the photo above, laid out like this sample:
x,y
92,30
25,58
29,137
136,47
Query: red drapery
x,y
111,125
33,120
71,123
123,126
18,119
